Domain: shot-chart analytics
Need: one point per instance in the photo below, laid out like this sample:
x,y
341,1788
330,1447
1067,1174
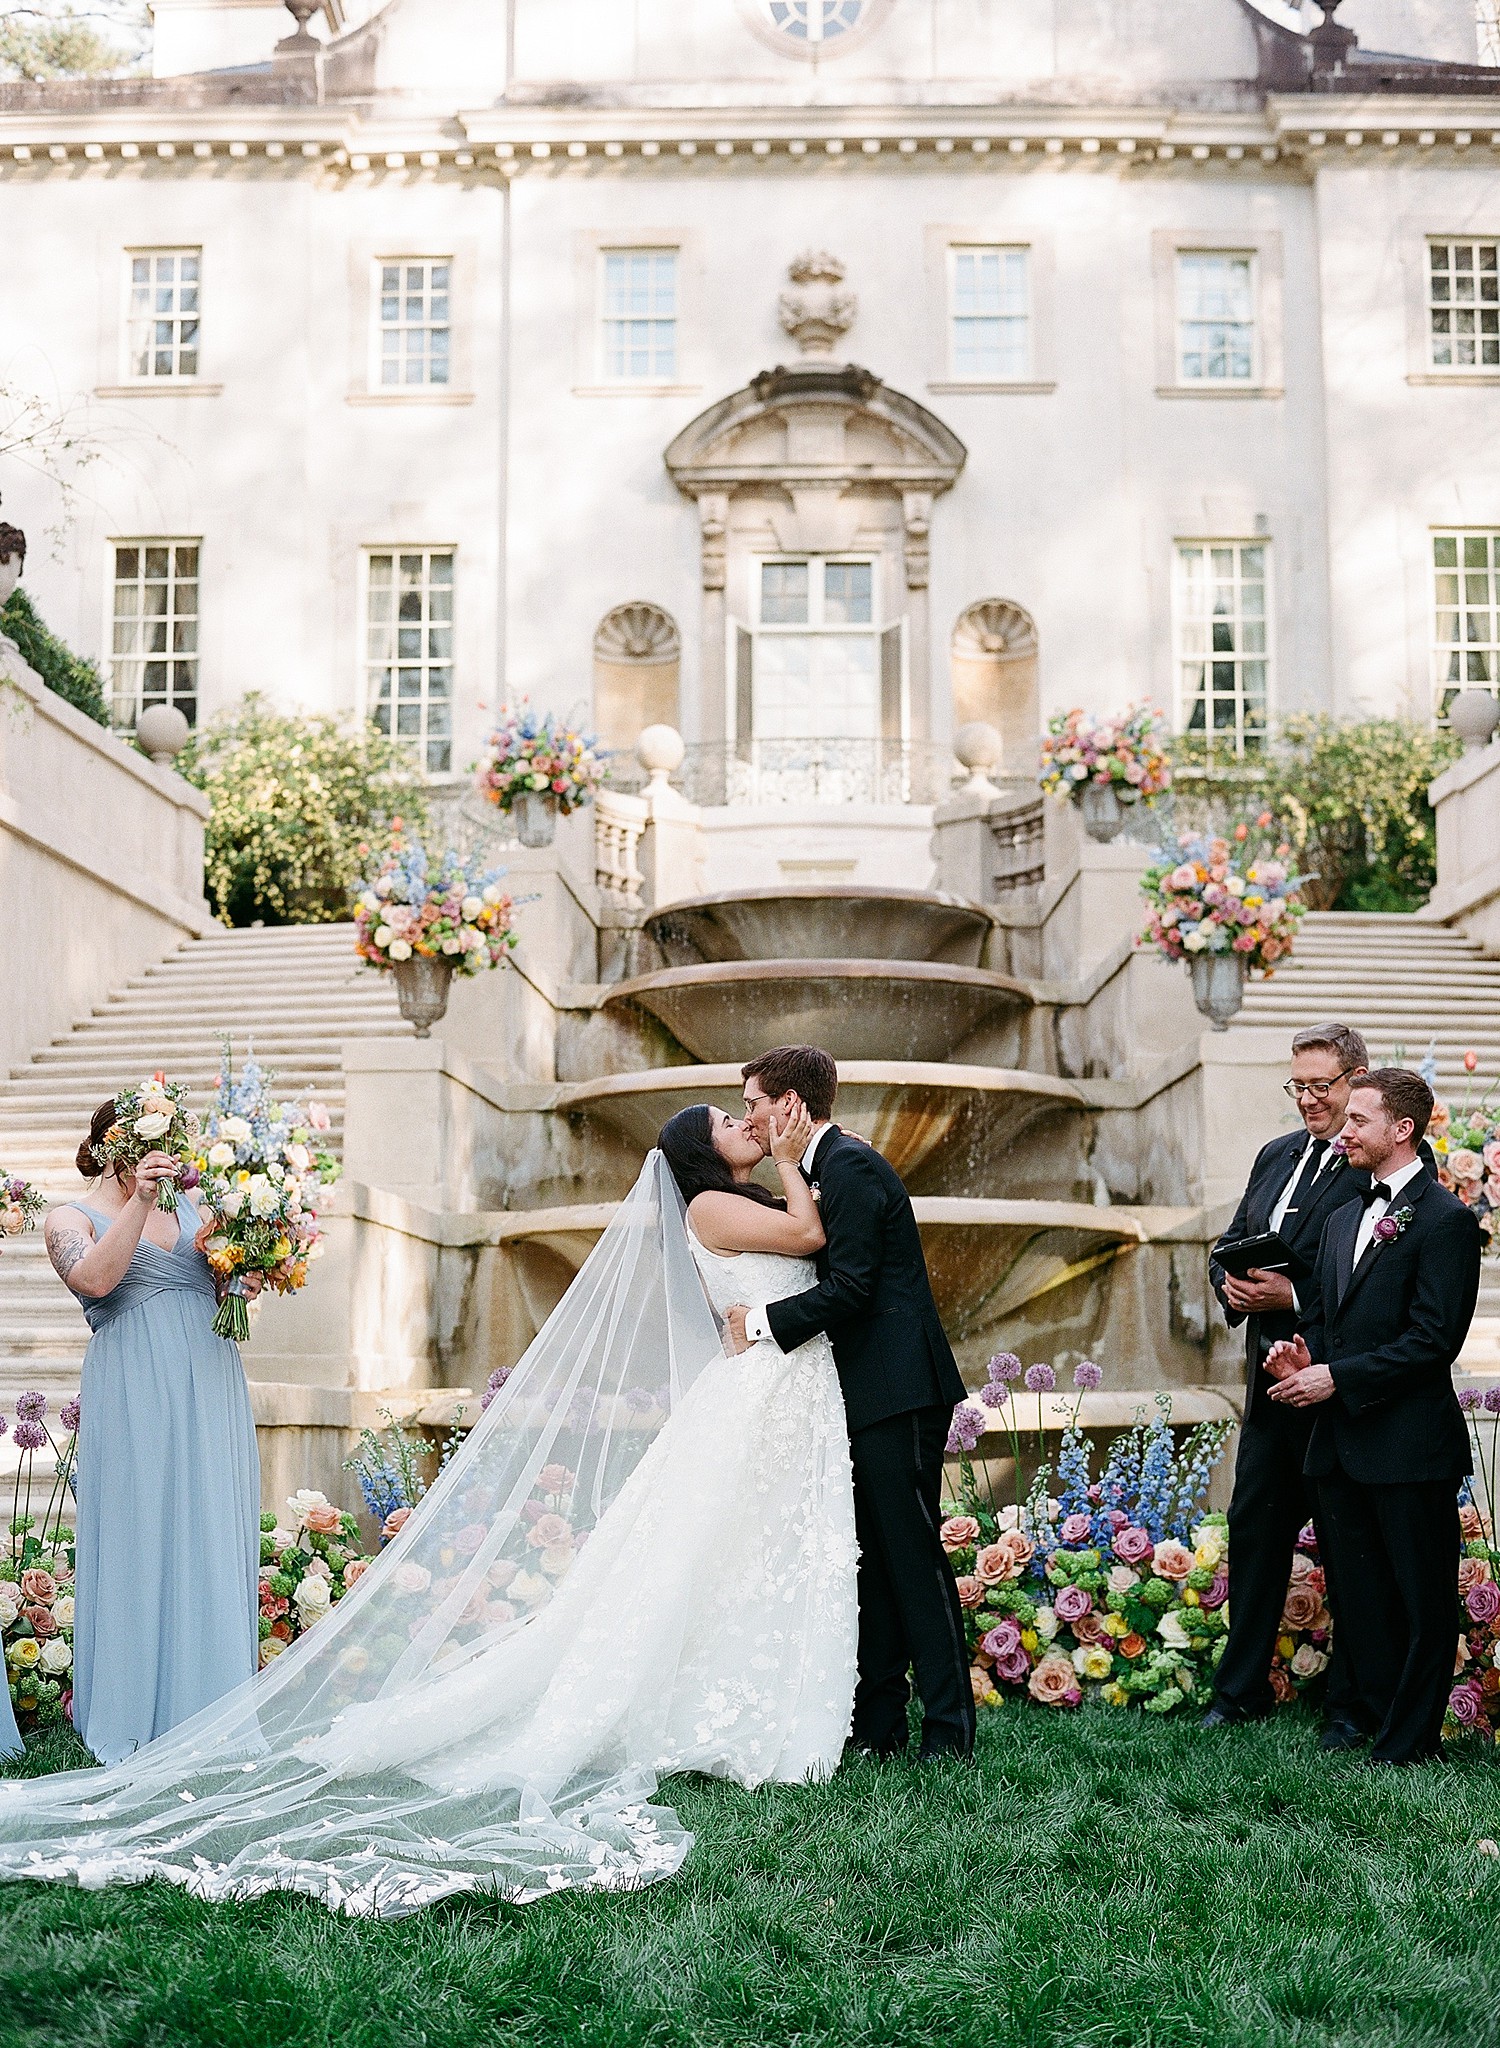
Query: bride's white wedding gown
x,y
432,1737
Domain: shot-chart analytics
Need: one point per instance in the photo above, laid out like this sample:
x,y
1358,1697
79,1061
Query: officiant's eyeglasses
x,y
1319,1090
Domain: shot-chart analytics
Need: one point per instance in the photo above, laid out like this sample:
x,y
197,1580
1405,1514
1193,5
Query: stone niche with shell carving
x,y
994,672
637,671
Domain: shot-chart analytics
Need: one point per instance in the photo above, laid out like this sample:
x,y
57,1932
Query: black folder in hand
x,y
1267,1253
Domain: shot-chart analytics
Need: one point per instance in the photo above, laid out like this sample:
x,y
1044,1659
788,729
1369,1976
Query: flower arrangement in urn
x,y
1226,911
1101,763
260,1175
428,919
537,769
1466,1143
152,1118
310,1556
36,1571
1113,1587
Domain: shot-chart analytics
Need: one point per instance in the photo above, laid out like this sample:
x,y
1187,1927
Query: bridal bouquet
x,y
1208,896
261,1173
1466,1143
36,1571
21,1203
152,1118
451,909
542,757
1124,753
310,1555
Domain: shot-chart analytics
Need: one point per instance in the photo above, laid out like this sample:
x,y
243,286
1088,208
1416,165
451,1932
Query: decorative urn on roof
x,y
814,311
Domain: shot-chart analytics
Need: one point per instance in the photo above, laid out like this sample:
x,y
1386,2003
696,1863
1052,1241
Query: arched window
x,y
995,676
637,663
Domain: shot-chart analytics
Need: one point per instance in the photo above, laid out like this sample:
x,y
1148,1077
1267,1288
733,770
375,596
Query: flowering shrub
x,y
310,1556
539,756
36,1572
260,1174
452,909
1124,753
152,1118
21,1203
1206,898
1467,1145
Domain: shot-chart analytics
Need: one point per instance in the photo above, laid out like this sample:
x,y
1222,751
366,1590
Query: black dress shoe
x,y
1342,1735
890,1754
1222,1717
944,1755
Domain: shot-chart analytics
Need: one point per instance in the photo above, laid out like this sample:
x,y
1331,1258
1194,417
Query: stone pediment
x,y
816,424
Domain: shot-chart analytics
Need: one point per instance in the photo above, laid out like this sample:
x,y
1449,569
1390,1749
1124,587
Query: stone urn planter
x,y
1103,813
1473,715
534,815
1218,985
422,985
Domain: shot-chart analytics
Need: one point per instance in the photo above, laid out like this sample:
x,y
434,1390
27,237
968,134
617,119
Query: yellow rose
x,y
1115,1695
1093,1662
1285,1645
1028,1638
1116,1625
24,1652
1189,1597
1209,1554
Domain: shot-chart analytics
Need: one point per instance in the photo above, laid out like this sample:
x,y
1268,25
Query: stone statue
x,y
816,313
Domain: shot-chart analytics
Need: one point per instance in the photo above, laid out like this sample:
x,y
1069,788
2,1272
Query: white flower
x,y
530,1588
1234,885
56,1655
369,901
473,907
454,945
10,1606
400,950
383,886
230,1205
221,1155
156,1125
62,1610
298,1158
265,1198
235,1129
1171,1630
304,1498
1078,772
493,893
1196,940
1046,1624
314,1595
383,935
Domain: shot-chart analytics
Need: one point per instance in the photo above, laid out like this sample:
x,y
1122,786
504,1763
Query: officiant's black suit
x,y
900,1386
1272,1498
1388,1450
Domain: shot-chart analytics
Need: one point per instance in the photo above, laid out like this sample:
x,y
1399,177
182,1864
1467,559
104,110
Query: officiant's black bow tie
x,y
1376,1192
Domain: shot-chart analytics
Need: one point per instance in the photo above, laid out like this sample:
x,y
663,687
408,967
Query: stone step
x,y
49,1109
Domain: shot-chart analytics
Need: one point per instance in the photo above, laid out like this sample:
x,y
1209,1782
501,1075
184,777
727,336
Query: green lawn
x,y
1101,1878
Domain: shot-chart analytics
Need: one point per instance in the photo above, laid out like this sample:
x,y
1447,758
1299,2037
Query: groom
x,y
900,1388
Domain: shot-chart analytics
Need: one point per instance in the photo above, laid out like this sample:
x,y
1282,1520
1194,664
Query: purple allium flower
x,y
1469,1398
30,1407
993,1395
30,1436
4,1425
639,1399
1040,1379
966,1429
1492,1400
1087,1376
493,1384
72,1413
1004,1366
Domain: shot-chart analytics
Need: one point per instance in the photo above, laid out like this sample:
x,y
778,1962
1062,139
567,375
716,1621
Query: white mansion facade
x,y
784,369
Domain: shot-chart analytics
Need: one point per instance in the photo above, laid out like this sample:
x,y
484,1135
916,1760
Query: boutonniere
x,y
1389,1228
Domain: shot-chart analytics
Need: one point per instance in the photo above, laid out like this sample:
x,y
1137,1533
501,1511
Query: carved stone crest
x,y
814,311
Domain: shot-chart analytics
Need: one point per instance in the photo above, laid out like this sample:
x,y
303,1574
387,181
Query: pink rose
x,y
501,1572
1071,1603
1472,1571
550,1532
970,1591
1172,1560
1302,1567
1122,1578
1075,1530
555,1479
1005,1559
1470,1522
1132,1544
42,1621
470,1538
1002,1641
322,1521
1300,1608
1089,1628
394,1523
1217,1593
1466,1704
959,1532
1483,1602
1054,1681
39,1587
354,1571
412,1578
498,1612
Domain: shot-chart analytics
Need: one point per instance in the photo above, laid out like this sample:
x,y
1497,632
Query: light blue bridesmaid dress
x,y
168,1491
10,1735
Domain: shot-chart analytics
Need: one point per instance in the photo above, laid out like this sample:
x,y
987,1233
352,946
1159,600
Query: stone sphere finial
x,y
660,751
979,748
1473,715
162,732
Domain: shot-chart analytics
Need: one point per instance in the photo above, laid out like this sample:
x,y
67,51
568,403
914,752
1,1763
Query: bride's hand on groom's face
x,y
790,1135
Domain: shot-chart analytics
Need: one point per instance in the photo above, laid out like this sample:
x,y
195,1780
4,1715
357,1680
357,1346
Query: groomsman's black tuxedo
x,y
1388,1450
900,1386
1272,1499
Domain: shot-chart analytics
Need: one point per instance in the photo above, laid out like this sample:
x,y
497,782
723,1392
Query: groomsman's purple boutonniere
x,y
1390,1227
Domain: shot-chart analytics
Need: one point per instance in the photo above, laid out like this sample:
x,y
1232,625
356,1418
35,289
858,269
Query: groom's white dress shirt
x,y
757,1326
1382,1206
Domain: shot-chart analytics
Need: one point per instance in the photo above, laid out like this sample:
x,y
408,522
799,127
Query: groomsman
x,y
1386,1313
1297,1182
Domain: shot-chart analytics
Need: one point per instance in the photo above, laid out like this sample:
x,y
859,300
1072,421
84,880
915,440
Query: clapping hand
x,y
1299,1383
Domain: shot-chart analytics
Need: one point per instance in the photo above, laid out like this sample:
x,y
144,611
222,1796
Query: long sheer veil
x,y
355,1767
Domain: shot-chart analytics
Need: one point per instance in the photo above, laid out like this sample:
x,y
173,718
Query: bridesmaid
x,y
168,1478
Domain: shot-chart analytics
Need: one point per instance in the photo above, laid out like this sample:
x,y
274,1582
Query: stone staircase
x,y
1408,986
298,993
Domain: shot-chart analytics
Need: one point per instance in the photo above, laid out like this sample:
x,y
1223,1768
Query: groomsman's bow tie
x,y
1377,1191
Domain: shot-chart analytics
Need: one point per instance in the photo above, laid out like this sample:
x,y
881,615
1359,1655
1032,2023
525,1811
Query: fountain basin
x,y
817,922
858,1009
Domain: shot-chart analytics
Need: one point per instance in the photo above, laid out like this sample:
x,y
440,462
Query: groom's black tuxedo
x,y
900,1385
1388,1449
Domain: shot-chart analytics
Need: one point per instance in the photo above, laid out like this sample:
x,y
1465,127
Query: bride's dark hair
x,y
686,1142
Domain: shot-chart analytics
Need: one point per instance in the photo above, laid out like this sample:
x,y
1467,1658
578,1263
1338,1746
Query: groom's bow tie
x,y
1377,1191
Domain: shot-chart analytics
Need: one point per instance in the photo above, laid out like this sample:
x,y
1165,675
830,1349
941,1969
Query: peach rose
x,y
501,1572
1053,1679
1302,1568
1460,1657
1466,1167
394,1523
959,1532
555,1479
412,1578
980,1684
39,1587
1300,1609
550,1532
1090,1629
1472,1571
1470,1522
41,1620
322,1521
1131,1645
970,1591
1172,1560
354,1571
1281,1685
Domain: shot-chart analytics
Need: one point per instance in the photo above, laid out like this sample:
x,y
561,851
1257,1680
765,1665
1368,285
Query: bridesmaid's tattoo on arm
x,y
66,1248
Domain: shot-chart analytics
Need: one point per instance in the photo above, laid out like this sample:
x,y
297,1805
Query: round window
x,y
811,22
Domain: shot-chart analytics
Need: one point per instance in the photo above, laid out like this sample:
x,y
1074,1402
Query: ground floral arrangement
x,y
1114,1586
531,756
310,1555
36,1570
451,909
1124,754
1474,1703
1466,1142
1215,896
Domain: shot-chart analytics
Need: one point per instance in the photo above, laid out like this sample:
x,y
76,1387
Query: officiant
x,y
1297,1182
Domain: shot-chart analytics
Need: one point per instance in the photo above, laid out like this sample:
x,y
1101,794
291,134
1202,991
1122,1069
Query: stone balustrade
x,y
1466,800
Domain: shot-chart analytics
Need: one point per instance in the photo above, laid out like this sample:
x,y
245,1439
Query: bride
x,y
641,1561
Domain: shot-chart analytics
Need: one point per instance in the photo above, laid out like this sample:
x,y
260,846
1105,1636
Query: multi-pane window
x,y
1463,304
1215,317
991,312
162,317
638,310
154,638
817,664
1487,30
415,331
409,651
1466,610
1223,666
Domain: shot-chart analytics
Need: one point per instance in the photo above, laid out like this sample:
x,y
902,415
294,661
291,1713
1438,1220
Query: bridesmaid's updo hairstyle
x,y
103,1117
686,1142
